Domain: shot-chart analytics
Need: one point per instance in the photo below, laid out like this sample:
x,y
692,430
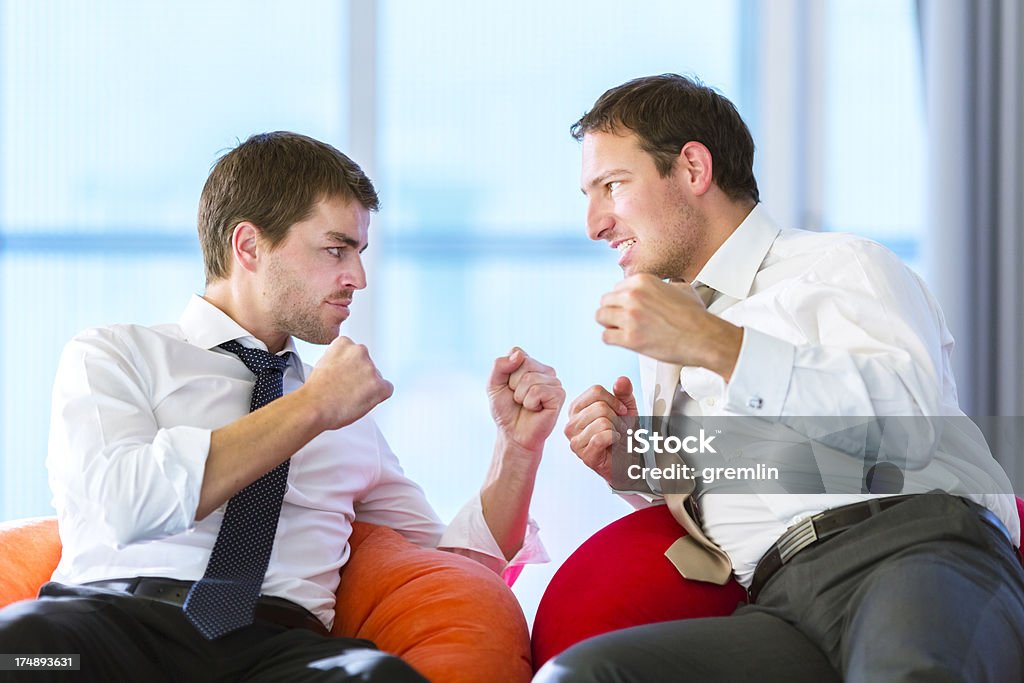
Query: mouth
x,y
340,305
624,247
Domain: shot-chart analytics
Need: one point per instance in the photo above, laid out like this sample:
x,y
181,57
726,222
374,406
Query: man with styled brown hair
x,y
786,330
205,479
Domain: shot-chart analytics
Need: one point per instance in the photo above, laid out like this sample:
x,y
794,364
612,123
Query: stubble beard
x,y
294,311
683,241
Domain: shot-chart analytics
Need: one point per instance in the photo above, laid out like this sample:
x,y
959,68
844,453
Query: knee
x,y
371,666
579,664
387,668
24,627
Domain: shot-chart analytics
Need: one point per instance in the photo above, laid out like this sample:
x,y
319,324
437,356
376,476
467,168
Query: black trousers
x,y
925,591
124,638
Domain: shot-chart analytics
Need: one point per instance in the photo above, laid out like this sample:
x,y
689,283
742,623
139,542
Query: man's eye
x,y
335,251
613,185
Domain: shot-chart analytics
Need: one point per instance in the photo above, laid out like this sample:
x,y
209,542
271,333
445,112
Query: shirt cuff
x,y
761,378
639,501
469,531
181,453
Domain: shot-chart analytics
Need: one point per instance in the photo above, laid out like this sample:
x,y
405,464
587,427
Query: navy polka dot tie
x,y
225,598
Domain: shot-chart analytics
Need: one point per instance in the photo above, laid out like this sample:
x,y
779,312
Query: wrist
x,y
312,411
513,454
725,348
513,469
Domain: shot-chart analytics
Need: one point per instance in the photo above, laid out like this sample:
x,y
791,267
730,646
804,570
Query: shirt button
x,y
709,402
756,403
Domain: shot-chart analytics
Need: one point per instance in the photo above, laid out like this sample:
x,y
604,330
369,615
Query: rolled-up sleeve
x,y
108,458
469,531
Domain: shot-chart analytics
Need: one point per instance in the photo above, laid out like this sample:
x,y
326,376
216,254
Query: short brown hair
x,y
667,111
272,180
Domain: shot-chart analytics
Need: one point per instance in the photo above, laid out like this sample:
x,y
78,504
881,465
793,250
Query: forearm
x,y
506,493
245,450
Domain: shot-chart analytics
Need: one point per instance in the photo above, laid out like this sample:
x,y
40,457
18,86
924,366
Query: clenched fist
x,y
668,322
345,385
526,397
593,418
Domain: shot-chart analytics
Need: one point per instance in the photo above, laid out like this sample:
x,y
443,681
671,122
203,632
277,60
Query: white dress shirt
x,y
834,325
133,410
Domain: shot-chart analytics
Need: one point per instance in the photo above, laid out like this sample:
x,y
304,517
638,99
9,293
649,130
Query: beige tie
x,y
694,555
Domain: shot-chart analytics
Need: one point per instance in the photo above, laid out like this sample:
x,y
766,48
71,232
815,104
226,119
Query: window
x,y
482,223
112,115
874,124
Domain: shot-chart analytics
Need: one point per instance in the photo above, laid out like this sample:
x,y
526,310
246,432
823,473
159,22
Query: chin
x,y
634,269
320,337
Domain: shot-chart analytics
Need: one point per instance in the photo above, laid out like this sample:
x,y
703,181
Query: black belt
x,y
827,524
173,592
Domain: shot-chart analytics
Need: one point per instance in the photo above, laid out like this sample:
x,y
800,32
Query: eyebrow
x,y
346,240
600,180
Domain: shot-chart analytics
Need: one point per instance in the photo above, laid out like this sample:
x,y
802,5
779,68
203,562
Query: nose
x,y
354,276
599,218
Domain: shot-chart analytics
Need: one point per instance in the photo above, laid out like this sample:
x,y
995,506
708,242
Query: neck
x,y
232,298
721,218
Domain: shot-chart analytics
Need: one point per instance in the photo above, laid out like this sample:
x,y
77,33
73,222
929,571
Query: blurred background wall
x,y
894,119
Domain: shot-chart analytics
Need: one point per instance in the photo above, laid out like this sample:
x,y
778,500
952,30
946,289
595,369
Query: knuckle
x,y
578,404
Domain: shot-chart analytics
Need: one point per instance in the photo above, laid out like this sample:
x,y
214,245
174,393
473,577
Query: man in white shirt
x,y
784,331
152,438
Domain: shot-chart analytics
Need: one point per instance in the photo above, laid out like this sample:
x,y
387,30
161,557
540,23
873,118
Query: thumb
x,y
504,366
623,390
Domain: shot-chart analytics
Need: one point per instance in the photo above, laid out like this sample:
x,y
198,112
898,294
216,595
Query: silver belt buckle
x,y
796,538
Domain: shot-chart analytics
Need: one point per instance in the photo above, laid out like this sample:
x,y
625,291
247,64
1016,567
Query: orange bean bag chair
x,y
449,617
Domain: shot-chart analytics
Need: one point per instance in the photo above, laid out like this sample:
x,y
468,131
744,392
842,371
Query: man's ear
x,y
245,245
695,168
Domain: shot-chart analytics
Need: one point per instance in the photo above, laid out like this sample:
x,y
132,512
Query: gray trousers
x,y
925,591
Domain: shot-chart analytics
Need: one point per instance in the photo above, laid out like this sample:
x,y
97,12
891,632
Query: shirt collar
x,y
206,326
732,268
